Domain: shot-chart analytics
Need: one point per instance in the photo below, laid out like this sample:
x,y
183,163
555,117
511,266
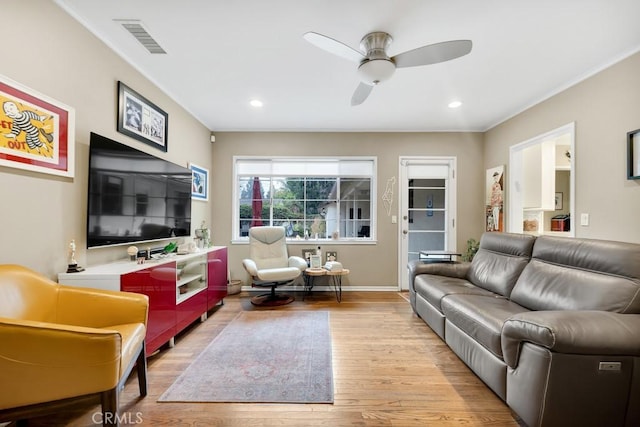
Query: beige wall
x,y
604,107
370,265
49,52
59,58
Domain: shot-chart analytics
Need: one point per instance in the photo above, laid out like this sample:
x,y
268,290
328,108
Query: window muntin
x,y
332,202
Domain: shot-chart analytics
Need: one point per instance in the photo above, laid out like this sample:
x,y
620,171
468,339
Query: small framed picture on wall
x,y
199,182
633,154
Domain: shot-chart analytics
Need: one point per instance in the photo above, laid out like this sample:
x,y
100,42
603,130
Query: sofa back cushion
x,y
500,260
580,274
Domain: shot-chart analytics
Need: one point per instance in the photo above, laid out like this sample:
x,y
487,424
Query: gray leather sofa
x,y
550,324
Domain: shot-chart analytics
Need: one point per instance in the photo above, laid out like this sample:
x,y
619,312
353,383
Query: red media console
x,y
181,288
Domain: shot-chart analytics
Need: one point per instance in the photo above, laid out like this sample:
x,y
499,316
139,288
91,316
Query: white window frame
x,y
301,166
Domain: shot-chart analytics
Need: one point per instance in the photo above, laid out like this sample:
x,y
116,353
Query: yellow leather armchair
x,y
62,344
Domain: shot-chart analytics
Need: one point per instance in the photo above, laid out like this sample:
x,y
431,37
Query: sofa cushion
x,y
500,260
434,288
580,274
481,317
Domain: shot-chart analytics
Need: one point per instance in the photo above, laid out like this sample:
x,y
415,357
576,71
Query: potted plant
x,y
472,247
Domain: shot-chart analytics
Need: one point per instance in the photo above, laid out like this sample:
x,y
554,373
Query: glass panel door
x,y
427,205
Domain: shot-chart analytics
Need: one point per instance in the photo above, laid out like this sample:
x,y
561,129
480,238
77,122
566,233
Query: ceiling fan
x,y
375,66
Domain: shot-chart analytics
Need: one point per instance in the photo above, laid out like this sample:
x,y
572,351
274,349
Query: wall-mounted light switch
x,y
584,219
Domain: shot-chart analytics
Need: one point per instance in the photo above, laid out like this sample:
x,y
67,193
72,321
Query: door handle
x,y
405,232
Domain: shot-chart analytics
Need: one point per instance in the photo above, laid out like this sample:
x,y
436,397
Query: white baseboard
x,y
325,288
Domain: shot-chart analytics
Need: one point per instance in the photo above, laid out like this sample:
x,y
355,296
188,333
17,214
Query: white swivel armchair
x,y
270,265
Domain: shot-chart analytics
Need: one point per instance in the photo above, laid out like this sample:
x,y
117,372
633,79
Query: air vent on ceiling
x,y
138,31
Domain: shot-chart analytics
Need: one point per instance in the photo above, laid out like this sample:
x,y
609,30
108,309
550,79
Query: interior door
x,y
427,208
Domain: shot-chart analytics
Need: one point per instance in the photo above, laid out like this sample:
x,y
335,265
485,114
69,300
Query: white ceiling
x,y
221,54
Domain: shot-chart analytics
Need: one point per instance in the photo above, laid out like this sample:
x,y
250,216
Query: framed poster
x,y
633,154
199,182
494,199
38,132
141,119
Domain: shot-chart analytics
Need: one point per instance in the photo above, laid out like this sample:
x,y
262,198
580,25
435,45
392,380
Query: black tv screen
x,y
134,196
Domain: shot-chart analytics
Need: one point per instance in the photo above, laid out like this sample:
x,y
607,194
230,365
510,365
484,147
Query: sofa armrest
x,y
571,331
451,269
98,308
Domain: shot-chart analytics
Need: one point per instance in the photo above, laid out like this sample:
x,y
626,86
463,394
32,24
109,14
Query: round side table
x,y
335,280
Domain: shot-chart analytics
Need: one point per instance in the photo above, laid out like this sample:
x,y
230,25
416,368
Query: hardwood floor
x,y
390,369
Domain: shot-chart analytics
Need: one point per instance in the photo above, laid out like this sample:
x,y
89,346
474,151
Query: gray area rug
x,y
274,356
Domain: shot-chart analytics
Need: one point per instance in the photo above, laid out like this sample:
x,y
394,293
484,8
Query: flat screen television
x,y
134,196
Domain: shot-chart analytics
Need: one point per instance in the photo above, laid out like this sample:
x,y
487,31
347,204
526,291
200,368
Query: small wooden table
x,y
335,279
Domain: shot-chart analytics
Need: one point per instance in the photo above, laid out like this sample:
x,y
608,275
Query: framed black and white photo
x,y
633,154
141,119
558,202
199,182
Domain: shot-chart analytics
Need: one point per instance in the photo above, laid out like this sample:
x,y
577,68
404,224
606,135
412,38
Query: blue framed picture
x,y
199,182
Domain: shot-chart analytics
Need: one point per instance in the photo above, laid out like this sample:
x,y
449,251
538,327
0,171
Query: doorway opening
x,y
541,190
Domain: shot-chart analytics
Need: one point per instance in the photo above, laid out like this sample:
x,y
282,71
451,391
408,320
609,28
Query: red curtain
x,y
256,204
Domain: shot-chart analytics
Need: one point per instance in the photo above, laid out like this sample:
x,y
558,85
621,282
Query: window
x,y
323,198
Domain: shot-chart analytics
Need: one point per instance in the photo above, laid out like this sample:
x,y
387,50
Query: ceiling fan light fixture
x,y
454,104
375,71
256,103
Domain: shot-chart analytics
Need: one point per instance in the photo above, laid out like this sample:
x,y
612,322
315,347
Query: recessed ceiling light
x,y
256,103
454,104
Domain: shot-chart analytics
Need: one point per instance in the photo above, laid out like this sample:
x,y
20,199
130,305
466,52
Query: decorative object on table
x,y
315,261
141,119
38,132
297,368
199,182
531,222
203,236
73,266
333,266
187,248
494,200
472,247
132,251
633,154
561,222
306,254
171,247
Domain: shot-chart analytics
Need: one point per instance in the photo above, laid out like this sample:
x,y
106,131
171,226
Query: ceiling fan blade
x,y
361,94
433,53
333,46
